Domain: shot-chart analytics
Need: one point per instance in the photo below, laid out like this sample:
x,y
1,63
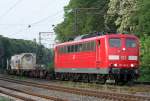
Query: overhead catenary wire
x,y
26,26
9,9
46,18
39,21
36,22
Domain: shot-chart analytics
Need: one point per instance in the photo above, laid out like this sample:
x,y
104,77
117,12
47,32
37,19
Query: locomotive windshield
x,y
115,42
130,43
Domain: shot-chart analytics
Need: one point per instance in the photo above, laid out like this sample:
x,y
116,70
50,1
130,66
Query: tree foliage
x,y
143,18
119,15
141,21
145,58
87,20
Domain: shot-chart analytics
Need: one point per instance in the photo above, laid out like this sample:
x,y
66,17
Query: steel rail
x,y
34,94
16,96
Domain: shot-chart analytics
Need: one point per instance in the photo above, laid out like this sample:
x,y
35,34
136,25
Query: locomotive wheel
x,y
130,83
85,78
92,78
62,77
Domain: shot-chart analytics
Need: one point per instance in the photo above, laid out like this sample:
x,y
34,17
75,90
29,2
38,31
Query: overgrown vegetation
x,y
123,16
5,99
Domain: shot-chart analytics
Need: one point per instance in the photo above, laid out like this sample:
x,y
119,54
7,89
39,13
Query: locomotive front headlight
x,y
132,65
115,65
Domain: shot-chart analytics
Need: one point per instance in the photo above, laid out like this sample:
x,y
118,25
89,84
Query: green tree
x,y
143,18
145,60
119,15
87,20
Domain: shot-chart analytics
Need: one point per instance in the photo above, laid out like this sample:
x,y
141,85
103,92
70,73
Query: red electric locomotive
x,y
106,57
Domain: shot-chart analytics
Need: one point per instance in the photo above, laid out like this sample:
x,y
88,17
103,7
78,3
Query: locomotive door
x,y
98,43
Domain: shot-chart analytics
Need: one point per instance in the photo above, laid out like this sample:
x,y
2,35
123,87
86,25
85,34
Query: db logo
x,y
73,57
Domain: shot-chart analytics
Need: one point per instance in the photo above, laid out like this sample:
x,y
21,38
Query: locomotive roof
x,y
97,37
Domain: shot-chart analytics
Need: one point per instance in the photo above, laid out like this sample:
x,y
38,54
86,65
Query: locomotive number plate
x,y
123,58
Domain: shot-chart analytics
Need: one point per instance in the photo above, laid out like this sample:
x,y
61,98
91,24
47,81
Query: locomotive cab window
x,y
114,42
130,43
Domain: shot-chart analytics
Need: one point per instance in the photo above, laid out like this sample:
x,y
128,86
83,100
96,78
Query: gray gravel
x,y
21,94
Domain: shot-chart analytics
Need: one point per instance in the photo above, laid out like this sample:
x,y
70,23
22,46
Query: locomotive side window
x,y
87,46
60,49
80,46
93,44
115,42
72,48
84,48
63,49
68,49
76,48
130,43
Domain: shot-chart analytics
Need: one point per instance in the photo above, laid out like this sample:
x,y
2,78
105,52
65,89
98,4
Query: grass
x,y
18,77
5,99
106,87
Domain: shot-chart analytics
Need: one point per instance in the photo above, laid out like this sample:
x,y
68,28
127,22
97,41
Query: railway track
x,y
33,94
105,95
15,95
26,92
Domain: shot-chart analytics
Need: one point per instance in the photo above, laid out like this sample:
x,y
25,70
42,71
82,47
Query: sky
x,y
24,19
